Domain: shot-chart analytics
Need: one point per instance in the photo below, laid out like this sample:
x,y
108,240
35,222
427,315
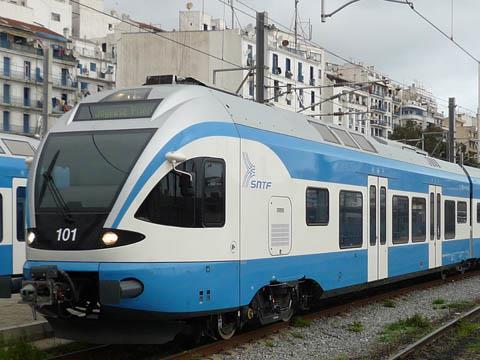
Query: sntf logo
x,y
249,179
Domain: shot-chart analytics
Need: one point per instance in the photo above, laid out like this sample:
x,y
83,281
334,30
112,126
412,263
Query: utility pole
x,y
260,57
296,24
47,87
451,130
233,14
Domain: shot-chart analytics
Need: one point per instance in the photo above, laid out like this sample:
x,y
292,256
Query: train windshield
x,y
84,171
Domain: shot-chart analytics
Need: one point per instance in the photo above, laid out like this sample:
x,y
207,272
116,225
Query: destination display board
x,y
117,110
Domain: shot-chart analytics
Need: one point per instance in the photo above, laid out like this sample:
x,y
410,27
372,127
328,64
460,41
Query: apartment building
x,y
21,75
292,79
420,107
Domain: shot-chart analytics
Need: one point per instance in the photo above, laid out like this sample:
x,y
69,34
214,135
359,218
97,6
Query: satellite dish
x,y
189,6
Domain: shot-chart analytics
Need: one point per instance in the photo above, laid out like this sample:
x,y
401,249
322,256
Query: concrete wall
x,y
140,54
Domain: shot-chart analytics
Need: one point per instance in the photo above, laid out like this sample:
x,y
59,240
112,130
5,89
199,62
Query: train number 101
x,y
66,234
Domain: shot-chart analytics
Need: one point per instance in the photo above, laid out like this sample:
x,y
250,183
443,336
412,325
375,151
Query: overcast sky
x,y
388,35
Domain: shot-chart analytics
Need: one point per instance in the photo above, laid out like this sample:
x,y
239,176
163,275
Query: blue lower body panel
x,y
206,286
6,261
455,251
476,248
405,259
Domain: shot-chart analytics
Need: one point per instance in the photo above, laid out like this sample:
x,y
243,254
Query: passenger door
x,y
5,233
377,228
435,229
18,224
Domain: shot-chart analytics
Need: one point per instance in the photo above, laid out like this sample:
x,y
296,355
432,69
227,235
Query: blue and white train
x,y
167,208
14,150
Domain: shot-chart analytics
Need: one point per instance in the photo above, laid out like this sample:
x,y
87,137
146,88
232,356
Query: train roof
x,y
17,145
252,114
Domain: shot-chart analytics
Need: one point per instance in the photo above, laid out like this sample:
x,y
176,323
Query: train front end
x,y
96,269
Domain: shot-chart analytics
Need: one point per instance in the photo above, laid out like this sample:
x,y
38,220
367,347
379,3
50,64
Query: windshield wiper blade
x,y
57,196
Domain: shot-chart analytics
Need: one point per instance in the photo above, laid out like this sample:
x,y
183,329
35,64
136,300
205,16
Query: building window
x,y
419,219
26,96
312,76
6,121
93,67
55,17
276,90
28,70
65,76
38,75
288,68
6,93
251,87
6,66
275,69
351,219
289,94
312,100
462,212
449,219
400,219
317,206
181,201
249,55
300,72
21,213
26,123
300,98
83,86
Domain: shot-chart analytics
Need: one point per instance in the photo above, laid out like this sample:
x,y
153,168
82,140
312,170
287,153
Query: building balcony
x,y
19,129
16,75
65,83
22,103
6,44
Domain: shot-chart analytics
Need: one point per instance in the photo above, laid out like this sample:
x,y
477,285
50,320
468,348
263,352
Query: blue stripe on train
x,y
476,248
6,265
337,164
11,167
405,259
175,287
455,251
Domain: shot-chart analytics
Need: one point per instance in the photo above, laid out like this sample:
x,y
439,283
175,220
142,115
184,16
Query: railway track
x,y
331,307
433,336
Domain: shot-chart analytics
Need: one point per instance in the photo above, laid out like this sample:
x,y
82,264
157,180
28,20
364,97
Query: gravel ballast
x,y
356,335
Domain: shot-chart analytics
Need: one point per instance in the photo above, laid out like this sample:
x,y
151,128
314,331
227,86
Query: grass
x,y
269,343
297,335
342,357
299,321
389,303
405,328
21,350
355,326
466,328
438,301
460,305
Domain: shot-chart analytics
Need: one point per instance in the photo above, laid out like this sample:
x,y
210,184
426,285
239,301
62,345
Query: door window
x,y
373,215
21,193
383,215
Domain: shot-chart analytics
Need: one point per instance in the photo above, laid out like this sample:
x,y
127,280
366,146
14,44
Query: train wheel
x,y
286,315
226,325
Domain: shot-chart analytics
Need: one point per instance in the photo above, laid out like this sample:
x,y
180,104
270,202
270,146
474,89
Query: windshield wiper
x,y
57,196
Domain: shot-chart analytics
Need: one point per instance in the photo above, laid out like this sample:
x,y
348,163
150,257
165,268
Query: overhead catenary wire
x,y
343,58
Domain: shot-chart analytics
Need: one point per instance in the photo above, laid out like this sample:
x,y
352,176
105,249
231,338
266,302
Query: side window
x,y
478,212
400,219
178,201
432,216
462,212
373,215
439,216
21,213
419,219
449,219
383,215
1,218
317,206
351,219
214,193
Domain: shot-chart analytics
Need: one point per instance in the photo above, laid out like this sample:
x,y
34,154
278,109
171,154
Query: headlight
x,y
30,237
110,238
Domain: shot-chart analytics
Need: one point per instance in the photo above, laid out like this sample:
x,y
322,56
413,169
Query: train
x,y
170,209
14,150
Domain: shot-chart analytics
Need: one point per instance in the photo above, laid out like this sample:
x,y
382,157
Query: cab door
x,y
18,224
435,230
5,233
377,228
